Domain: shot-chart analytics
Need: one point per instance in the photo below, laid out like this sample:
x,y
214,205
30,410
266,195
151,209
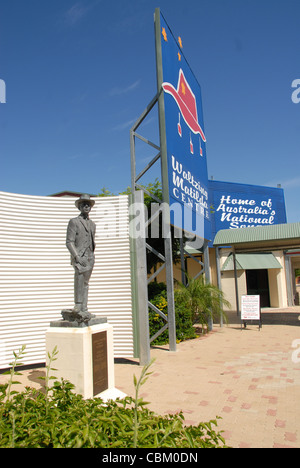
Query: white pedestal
x,y
85,358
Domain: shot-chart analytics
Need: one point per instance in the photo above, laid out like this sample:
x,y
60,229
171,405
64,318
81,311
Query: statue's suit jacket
x,y
80,236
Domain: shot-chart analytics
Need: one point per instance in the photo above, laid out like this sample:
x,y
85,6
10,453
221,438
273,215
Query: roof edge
x,y
257,234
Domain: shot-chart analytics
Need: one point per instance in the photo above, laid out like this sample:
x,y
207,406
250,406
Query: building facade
x,y
261,260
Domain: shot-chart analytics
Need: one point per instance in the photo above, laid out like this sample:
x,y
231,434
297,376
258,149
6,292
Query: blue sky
x,y
79,73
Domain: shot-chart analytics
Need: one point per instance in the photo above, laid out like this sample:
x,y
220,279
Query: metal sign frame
x,y
143,303
141,245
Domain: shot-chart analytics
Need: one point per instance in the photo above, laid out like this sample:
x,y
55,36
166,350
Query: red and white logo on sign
x,y
187,105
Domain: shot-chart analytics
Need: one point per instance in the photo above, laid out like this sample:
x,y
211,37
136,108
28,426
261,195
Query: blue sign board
x,y
205,206
241,205
185,138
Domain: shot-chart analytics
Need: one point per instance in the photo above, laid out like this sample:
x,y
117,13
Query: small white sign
x,y
250,308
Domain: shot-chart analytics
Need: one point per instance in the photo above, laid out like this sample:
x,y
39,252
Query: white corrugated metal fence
x,y
36,278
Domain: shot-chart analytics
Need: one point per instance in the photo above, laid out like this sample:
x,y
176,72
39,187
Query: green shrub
x,y
203,299
155,289
60,418
183,317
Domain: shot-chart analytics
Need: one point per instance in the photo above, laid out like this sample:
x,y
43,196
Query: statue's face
x,y
85,208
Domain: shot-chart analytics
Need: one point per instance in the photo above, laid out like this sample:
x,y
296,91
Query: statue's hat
x,y
84,198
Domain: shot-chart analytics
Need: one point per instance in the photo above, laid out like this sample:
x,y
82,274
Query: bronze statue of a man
x,y
81,245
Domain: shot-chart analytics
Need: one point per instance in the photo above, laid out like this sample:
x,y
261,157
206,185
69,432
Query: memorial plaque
x,y
100,366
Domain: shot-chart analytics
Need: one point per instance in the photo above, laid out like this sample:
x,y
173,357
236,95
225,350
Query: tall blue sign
x,y
185,136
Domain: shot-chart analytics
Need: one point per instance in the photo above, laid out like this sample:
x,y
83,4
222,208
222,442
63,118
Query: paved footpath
x,y
247,377
250,378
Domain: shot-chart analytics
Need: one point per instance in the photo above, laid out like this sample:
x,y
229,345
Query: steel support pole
x,y
165,186
142,286
219,277
236,283
182,262
207,275
288,276
170,294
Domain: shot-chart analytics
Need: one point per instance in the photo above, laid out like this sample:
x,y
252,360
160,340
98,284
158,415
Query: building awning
x,y
279,236
251,261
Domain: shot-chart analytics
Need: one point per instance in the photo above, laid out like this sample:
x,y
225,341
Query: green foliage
x,y
183,316
12,371
105,193
157,242
205,300
155,289
60,418
196,303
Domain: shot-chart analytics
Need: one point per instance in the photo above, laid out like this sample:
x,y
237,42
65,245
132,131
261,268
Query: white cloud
x,y
291,183
125,89
75,13
125,125
78,11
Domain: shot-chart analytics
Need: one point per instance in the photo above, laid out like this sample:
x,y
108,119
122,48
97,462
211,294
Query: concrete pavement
x,y
250,378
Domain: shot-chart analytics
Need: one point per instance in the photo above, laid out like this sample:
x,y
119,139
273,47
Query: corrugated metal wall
x,y
36,278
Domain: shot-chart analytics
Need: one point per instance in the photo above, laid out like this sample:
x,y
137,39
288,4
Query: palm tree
x,y
205,300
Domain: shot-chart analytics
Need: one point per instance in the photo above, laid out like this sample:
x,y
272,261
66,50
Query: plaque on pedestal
x,y
99,356
85,358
